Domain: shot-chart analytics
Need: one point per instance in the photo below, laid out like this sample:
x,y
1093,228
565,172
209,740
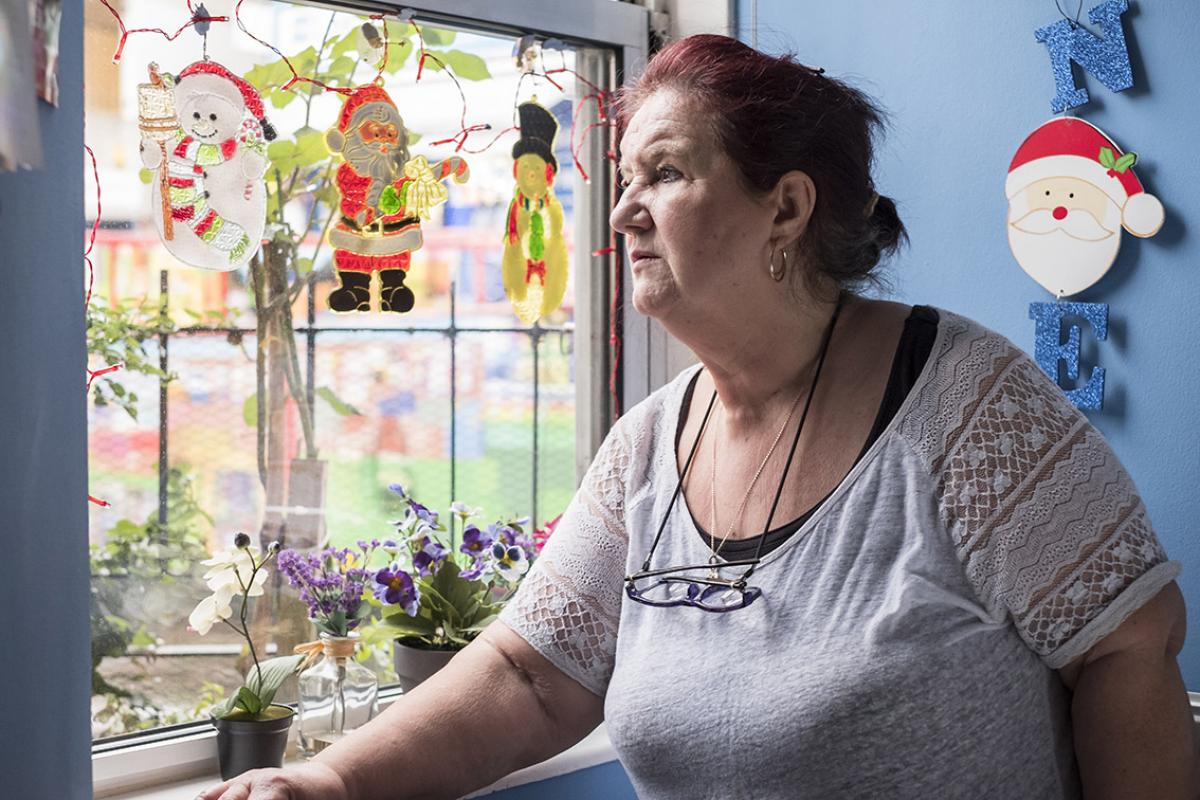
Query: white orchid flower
x,y
233,569
212,609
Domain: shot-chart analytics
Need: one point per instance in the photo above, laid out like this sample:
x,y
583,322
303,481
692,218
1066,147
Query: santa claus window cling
x,y
385,194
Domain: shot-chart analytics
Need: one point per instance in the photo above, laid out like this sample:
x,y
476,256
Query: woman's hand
x,y
312,781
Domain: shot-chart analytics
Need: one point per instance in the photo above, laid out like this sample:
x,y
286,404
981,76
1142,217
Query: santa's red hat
x,y
1074,148
359,98
251,99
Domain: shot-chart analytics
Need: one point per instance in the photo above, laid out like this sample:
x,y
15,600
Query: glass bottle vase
x,y
337,695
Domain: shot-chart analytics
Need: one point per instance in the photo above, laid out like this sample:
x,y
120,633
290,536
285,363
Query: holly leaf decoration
x,y
1108,158
1125,162
389,201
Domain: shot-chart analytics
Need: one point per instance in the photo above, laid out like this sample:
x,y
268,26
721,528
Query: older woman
x,y
861,550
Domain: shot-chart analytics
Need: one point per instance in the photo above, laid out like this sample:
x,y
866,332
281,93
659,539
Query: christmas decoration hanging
x,y
535,253
1070,191
384,196
1049,349
204,133
1107,59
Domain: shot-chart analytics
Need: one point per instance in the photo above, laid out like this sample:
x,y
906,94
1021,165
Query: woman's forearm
x,y
477,720
1133,728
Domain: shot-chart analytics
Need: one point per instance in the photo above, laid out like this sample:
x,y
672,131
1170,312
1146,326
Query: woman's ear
x,y
795,197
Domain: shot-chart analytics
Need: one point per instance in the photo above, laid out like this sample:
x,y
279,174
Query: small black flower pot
x,y
248,743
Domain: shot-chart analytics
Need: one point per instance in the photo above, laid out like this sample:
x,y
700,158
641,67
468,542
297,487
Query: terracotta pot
x,y
414,665
244,744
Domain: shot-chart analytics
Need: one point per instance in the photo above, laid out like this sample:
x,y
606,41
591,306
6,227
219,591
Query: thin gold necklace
x,y
714,559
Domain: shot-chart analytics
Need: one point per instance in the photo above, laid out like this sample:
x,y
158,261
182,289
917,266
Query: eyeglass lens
x,y
677,591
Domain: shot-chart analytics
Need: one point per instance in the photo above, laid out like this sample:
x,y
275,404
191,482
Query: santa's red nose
x,y
1060,212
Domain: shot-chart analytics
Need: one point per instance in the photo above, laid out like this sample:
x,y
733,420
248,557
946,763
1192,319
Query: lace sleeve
x,y
1047,523
569,604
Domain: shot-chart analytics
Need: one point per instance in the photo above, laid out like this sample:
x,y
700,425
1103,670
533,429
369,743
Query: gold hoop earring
x,y
778,276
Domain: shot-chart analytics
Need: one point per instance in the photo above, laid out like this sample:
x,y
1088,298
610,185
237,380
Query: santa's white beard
x,y
369,161
1060,262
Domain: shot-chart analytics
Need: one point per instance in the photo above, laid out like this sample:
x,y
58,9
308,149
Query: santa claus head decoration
x,y
205,134
1070,192
384,196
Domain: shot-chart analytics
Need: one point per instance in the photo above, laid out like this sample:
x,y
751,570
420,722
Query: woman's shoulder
x,y
975,375
660,409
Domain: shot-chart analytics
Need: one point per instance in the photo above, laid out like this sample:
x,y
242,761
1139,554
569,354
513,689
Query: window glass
x,y
456,399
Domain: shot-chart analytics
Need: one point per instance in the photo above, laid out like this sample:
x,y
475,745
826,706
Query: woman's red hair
x,y
772,115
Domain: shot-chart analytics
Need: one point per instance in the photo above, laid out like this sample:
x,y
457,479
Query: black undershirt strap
x,y
912,351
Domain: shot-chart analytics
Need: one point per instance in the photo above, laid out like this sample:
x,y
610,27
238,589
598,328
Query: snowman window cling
x,y
385,194
535,254
1070,191
205,135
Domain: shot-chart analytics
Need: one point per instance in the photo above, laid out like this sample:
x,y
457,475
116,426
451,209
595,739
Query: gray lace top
x,y
907,635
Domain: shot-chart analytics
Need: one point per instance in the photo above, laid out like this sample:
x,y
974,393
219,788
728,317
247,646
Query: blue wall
x,y
965,83
45,686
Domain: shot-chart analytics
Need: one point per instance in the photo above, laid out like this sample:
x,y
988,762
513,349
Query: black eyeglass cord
x,y
837,309
679,486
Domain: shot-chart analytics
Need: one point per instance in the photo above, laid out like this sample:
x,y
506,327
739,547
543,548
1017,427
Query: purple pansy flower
x,y
422,513
395,587
510,562
475,542
429,556
478,570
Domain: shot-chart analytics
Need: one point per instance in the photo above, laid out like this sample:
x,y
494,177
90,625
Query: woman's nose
x,y
629,215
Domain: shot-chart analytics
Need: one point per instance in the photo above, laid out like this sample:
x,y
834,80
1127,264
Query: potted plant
x,y
435,601
251,730
337,694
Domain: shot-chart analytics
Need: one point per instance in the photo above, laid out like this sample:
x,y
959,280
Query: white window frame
x,y
126,766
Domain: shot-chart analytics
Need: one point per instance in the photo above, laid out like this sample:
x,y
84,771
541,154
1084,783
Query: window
x,y
203,434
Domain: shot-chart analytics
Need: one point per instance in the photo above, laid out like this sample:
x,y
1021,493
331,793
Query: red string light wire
x,y
464,130
616,336
170,37
296,76
93,374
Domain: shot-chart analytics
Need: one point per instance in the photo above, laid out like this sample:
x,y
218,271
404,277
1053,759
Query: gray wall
x,y
965,83
45,738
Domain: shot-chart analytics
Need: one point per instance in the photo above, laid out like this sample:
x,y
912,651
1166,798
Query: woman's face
x,y
697,239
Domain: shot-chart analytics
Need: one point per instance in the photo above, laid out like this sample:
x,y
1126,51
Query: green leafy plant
x,y
120,333
300,180
152,550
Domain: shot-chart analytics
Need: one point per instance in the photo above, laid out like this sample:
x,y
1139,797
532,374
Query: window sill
x,y
199,752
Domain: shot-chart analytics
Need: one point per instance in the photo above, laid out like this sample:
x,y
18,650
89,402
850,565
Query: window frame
x,y
150,758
